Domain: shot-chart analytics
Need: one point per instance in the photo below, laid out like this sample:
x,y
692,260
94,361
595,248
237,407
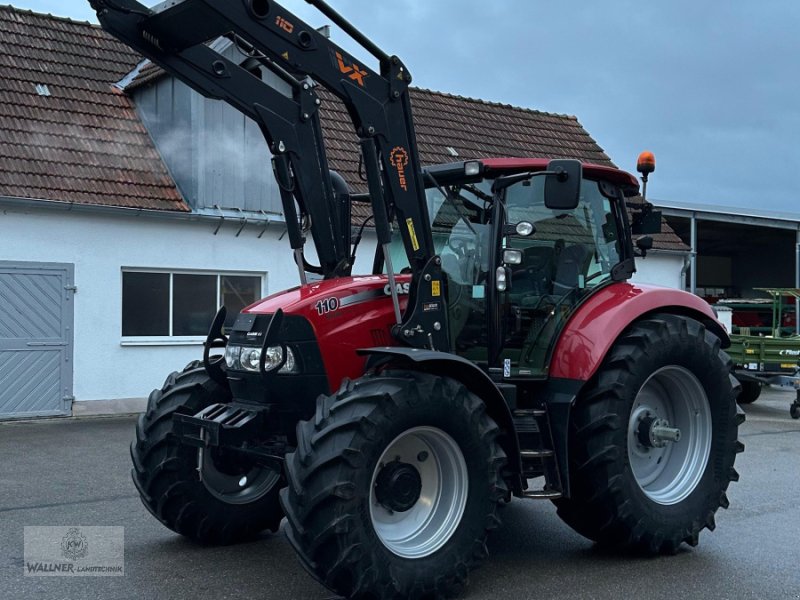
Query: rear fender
x,y
464,371
589,335
598,322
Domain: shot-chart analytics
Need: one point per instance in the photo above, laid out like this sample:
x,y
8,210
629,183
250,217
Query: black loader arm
x,y
378,105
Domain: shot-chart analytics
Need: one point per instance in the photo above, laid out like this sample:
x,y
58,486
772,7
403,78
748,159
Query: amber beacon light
x,y
646,164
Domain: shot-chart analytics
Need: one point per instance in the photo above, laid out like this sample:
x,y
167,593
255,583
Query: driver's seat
x,y
573,261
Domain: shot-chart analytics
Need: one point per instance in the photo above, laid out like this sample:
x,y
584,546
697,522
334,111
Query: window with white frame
x,y
182,304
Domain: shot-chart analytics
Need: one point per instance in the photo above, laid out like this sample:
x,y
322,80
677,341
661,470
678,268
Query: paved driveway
x,y
76,472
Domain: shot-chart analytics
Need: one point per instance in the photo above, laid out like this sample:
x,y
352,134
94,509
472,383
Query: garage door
x,y
35,339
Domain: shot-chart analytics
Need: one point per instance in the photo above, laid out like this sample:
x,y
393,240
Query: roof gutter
x,y
669,251
204,215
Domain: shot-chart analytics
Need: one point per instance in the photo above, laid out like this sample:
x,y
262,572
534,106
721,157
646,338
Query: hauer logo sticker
x,y
399,159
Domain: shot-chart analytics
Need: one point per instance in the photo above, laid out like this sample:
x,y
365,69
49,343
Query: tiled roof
x,y
78,138
474,129
84,141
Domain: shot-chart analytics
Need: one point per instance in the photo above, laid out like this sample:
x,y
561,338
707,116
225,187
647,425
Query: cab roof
x,y
493,167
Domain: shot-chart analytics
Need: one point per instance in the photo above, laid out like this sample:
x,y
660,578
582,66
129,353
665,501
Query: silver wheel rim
x,y
432,520
670,473
242,487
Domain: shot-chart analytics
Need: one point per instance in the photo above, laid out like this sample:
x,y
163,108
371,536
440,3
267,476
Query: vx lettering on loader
x,y
521,363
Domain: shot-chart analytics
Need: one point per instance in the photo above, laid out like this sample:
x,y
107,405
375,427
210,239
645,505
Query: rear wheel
x,y
751,390
394,487
653,439
229,499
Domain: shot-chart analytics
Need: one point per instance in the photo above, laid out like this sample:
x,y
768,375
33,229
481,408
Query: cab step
x,y
541,494
529,412
533,454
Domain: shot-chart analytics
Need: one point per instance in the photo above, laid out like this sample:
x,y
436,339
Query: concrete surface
x,y
76,472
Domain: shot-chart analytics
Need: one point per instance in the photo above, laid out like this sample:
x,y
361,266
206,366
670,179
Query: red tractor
x,y
497,350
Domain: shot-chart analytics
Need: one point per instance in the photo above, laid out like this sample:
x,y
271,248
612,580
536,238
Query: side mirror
x,y
644,244
562,189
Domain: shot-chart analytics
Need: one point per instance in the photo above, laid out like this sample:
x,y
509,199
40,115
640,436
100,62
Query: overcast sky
x,y
711,87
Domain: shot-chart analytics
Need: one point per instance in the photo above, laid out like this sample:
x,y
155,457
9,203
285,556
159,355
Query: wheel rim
x,y
668,471
428,524
234,483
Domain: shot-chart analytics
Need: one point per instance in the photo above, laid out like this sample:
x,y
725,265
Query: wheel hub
x,y
653,432
398,486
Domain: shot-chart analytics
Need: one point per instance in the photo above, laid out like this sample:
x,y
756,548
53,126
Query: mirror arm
x,y
503,182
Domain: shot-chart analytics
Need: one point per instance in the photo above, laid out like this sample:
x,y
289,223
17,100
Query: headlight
x,y
250,358
247,358
274,357
232,356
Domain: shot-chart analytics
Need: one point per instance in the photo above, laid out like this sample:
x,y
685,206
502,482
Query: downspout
x,y
693,255
687,262
797,282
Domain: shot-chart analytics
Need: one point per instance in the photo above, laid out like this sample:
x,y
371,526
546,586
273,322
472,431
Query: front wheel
x,y
210,496
394,487
653,439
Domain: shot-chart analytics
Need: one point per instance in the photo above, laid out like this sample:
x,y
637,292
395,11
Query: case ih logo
x,y
399,160
352,70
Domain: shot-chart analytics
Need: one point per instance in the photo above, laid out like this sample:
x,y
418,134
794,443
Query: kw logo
x,y
399,159
284,24
352,70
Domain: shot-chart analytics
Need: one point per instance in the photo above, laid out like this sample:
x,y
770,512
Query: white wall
x,y
660,269
100,246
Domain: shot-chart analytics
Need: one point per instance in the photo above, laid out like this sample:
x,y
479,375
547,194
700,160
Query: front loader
x,y
497,349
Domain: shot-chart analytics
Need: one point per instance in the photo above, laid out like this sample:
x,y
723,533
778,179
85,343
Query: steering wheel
x,y
458,245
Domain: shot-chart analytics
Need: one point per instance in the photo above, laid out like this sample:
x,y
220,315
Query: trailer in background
x,y
768,359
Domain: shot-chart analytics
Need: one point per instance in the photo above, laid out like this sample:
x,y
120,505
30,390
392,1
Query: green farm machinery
x,y
769,359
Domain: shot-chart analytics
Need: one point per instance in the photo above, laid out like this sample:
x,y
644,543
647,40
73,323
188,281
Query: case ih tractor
x,y
496,351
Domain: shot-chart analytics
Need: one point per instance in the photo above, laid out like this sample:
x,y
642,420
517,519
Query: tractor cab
x,y
519,254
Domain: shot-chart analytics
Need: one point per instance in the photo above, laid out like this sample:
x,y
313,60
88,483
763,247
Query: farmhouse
x,y
132,207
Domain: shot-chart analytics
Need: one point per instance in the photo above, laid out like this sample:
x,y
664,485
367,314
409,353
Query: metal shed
x,y
735,250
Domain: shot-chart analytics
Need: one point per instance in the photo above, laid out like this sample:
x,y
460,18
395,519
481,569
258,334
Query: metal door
x,y
36,316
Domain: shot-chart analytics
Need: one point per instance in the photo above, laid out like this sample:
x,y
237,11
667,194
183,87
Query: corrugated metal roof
x,y
729,213
68,134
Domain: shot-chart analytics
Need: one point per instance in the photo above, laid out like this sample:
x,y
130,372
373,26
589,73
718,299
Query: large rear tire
x,y
234,501
653,439
394,487
751,390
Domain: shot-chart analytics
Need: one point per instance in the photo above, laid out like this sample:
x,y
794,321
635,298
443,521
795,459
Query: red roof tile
x,y
83,142
474,129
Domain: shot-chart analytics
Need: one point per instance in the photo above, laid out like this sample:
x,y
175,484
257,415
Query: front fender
x,y
598,322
